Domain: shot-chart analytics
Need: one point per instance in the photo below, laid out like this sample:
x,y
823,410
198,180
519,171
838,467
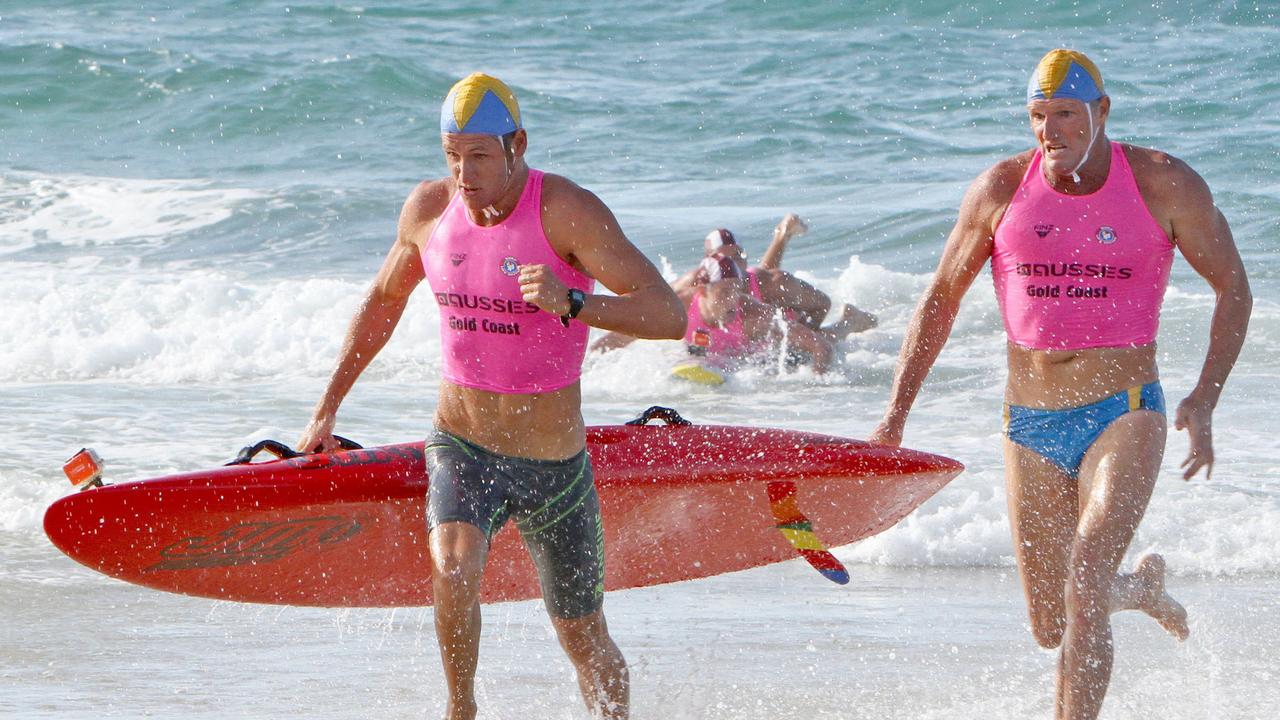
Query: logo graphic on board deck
x,y
1043,229
457,258
255,542
510,266
1106,235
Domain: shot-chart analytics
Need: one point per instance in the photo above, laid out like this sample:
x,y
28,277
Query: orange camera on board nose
x,y
84,469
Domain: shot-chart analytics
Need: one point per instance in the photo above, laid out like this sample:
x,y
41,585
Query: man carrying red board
x,y
511,255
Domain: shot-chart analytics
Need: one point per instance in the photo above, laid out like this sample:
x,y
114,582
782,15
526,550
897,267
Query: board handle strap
x,y
282,451
658,412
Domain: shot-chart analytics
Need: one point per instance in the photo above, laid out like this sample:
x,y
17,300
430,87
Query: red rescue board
x,y
347,529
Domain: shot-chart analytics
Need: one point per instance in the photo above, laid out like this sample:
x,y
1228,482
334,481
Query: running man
x,y
512,256
1080,232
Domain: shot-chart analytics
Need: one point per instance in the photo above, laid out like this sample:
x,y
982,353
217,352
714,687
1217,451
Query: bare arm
x,y
616,340
611,341
1203,236
375,320
581,228
967,250
687,283
790,226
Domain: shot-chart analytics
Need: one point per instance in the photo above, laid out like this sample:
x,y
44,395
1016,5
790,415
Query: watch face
x,y
576,298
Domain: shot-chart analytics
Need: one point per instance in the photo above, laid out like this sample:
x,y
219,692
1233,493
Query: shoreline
x,y
778,640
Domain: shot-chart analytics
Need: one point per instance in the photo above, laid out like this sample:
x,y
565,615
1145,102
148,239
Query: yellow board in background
x,y
693,372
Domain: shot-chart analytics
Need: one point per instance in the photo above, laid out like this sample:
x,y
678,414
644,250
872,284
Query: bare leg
x,y
852,320
1068,550
602,671
1043,502
1116,480
1143,589
784,290
458,553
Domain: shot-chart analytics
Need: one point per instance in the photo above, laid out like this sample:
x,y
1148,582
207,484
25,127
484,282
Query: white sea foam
x,y
203,326
216,329
85,211
24,495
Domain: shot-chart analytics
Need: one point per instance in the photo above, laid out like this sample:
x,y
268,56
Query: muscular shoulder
x,y
1168,185
425,204
427,200
1150,163
991,192
565,201
997,184
574,217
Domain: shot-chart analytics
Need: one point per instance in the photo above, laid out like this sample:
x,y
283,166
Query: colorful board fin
x,y
798,531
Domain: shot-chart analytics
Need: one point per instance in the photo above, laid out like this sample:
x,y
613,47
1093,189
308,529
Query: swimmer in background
x,y
728,327
767,284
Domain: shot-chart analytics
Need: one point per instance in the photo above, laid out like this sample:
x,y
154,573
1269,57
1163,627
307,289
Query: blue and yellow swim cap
x,y
480,104
1065,74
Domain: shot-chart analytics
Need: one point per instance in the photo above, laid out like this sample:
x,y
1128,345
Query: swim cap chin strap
x,y
491,211
1093,135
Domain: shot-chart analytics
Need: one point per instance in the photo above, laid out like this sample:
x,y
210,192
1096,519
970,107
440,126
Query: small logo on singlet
x,y
701,341
457,258
510,266
1043,229
1106,235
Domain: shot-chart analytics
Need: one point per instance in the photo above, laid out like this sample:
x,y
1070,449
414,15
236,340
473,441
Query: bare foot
x,y
852,320
1157,603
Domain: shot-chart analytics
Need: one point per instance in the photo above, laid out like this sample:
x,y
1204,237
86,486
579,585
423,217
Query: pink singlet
x,y
1080,271
491,338
755,284
754,277
727,341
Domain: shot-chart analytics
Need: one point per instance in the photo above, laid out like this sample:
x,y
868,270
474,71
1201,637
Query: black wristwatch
x,y
576,299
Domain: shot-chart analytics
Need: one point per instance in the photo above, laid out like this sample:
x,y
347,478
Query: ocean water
x,y
193,197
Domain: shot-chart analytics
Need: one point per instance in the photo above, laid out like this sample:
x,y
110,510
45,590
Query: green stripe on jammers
x,y
582,497
494,516
456,443
600,554
582,469
461,446
561,516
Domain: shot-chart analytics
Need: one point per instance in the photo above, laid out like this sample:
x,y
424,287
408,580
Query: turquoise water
x,y
331,110
193,197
